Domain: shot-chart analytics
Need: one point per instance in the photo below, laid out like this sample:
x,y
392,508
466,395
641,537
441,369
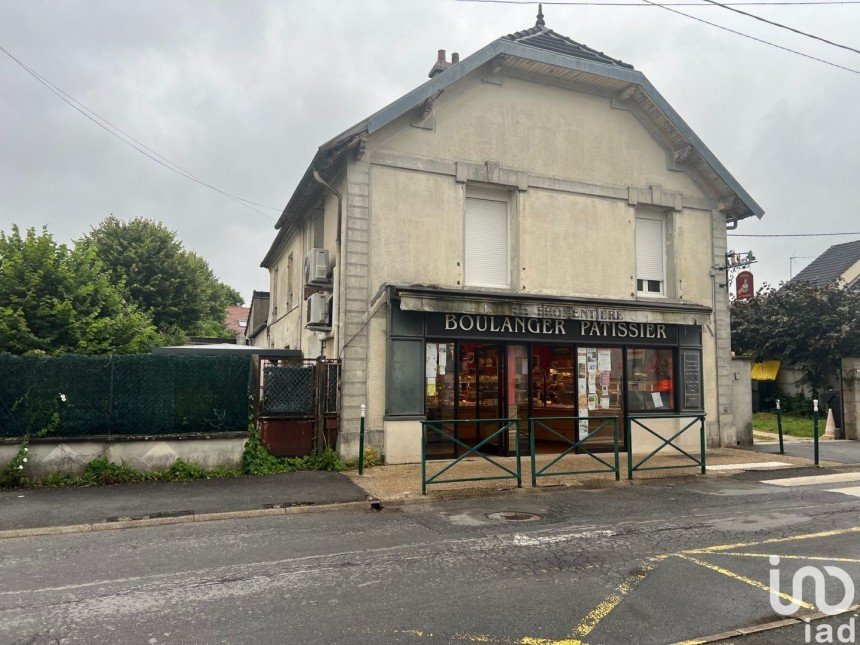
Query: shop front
x,y
589,362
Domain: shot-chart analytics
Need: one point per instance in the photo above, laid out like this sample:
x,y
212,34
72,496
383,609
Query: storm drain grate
x,y
514,516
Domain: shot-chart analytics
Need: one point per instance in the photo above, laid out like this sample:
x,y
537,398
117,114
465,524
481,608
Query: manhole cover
x,y
513,516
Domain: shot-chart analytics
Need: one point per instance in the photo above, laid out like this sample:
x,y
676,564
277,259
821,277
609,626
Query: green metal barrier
x,y
637,419
434,426
610,468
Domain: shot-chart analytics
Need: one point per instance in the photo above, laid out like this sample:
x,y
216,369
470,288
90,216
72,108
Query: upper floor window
x,y
650,255
487,240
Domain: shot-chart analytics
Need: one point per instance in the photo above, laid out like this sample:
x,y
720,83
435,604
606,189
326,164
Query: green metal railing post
x,y
815,427
702,443
532,450
519,463
779,427
423,460
361,442
628,434
615,448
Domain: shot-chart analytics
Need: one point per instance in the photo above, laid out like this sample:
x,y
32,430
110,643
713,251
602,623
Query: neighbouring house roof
x,y
541,51
222,349
236,315
830,265
258,299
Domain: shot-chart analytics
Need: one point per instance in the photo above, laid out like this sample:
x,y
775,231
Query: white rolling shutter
x,y
649,249
487,252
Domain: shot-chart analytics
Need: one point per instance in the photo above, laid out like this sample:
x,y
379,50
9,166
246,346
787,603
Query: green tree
x,y
812,327
55,300
174,285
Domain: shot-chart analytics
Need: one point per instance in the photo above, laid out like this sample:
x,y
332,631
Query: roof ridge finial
x,y
540,21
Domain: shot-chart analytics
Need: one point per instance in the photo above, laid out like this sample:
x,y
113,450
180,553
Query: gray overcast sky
x,y
242,93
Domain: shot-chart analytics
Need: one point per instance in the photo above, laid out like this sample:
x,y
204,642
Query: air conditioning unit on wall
x,y
317,268
318,308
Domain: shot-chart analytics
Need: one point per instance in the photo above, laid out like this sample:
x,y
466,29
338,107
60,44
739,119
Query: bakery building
x,y
534,232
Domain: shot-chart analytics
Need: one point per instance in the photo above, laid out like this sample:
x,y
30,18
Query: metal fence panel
x,y
288,390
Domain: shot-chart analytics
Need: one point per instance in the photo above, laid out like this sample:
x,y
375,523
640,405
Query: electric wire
x,y
781,26
789,234
752,3
130,141
668,7
760,40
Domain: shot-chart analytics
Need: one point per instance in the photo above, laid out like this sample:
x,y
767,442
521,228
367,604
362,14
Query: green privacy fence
x,y
138,394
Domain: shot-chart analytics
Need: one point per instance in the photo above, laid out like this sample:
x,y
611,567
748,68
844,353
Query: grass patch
x,y
796,426
257,460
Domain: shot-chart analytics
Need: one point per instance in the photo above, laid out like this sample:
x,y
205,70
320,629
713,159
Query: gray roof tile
x,y
831,264
543,38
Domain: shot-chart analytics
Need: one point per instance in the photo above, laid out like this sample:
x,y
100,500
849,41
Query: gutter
x,y
337,240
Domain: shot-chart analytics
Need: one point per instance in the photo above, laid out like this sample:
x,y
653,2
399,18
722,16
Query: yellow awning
x,y
765,371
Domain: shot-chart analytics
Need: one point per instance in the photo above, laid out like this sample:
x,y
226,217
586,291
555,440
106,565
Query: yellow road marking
x,y
806,536
587,624
823,558
749,581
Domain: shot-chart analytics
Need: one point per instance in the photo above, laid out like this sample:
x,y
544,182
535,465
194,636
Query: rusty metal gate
x,y
296,405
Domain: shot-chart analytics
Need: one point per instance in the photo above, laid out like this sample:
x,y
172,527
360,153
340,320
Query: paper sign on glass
x,y
657,399
604,360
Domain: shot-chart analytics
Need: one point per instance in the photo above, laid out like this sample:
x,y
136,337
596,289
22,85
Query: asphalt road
x,y
654,562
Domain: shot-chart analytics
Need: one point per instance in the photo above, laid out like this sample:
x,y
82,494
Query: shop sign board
x,y
744,288
451,325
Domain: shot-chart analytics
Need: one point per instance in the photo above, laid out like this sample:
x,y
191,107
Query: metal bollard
x,y
361,442
815,427
779,427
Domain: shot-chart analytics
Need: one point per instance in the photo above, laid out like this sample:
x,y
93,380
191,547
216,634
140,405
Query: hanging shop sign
x,y
744,288
451,325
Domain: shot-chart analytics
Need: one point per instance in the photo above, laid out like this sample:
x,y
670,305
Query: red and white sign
x,y
744,289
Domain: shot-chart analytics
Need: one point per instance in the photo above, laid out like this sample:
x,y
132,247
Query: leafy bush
x,y
12,475
103,471
257,460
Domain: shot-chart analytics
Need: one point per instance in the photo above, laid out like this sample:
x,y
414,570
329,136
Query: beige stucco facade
x,y
575,163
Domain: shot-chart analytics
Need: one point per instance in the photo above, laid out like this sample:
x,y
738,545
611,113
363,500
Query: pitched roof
x,y
542,38
541,49
831,264
234,316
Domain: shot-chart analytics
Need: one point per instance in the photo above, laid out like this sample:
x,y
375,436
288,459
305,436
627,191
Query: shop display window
x,y
650,380
599,375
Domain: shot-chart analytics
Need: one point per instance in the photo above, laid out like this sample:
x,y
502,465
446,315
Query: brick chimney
x,y
442,64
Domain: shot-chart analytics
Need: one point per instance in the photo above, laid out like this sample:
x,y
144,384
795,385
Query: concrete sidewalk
x,y
46,507
102,507
843,451
404,481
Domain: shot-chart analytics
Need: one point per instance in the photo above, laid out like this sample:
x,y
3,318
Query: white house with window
x,y
532,233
